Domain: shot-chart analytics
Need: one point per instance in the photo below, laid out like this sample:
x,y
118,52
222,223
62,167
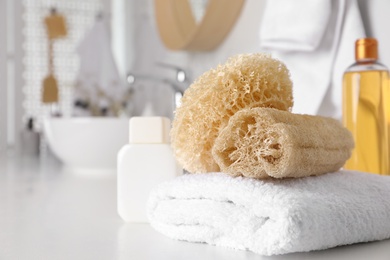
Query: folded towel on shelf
x,y
287,30
273,216
263,142
318,61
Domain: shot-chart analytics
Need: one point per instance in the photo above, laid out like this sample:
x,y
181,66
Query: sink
x,y
87,144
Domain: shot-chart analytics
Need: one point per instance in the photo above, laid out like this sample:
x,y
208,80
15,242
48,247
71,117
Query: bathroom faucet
x,y
181,74
177,86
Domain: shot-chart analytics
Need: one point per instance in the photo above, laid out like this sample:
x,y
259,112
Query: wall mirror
x,y
195,25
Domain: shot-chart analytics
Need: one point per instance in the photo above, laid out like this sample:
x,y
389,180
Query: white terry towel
x,y
316,40
98,70
272,217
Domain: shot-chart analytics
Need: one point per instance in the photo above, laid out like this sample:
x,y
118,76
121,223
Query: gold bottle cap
x,y
366,49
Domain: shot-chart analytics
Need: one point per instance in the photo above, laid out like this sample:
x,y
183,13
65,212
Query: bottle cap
x,y
366,49
149,130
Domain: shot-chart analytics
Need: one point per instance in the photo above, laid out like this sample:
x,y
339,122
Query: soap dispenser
x,y
142,164
366,109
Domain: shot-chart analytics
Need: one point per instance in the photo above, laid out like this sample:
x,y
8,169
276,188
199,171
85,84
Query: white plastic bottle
x,y
145,162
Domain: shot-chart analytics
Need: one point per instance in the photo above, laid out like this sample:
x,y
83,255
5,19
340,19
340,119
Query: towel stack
x,y
236,119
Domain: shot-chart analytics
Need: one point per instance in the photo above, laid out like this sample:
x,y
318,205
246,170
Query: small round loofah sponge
x,y
244,81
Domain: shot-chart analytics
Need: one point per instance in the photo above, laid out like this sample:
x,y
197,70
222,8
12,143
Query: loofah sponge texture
x,y
263,142
244,81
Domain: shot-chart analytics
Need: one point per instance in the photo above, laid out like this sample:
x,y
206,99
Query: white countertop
x,y
48,213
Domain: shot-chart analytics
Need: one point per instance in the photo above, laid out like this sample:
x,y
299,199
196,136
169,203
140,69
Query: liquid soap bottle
x,y
142,164
366,109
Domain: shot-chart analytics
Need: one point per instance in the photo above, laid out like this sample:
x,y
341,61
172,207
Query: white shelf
x,y
47,213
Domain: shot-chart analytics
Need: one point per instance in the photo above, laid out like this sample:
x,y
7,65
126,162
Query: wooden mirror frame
x,y
179,31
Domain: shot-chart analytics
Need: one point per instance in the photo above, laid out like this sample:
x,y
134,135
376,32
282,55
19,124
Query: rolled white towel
x,y
272,217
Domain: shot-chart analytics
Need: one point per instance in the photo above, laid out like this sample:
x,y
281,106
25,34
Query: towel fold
x,y
263,142
273,216
294,25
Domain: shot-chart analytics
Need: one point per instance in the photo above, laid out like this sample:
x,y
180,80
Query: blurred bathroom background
x,y
137,72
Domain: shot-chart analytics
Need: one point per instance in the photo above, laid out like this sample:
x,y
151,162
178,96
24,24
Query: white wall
x,y
376,18
11,68
243,38
3,79
149,50
122,31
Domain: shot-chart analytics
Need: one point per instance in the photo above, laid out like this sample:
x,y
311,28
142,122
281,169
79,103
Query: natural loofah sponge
x,y
244,81
263,142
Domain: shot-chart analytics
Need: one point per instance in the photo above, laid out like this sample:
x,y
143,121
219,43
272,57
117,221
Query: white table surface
x,y
48,213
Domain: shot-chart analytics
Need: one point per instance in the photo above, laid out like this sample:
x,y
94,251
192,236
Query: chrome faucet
x,y
178,86
181,74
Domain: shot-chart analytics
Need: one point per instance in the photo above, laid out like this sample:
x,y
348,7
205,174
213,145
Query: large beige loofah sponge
x,y
263,142
244,81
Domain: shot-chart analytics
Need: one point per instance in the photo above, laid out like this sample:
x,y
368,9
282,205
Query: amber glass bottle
x,y
366,109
